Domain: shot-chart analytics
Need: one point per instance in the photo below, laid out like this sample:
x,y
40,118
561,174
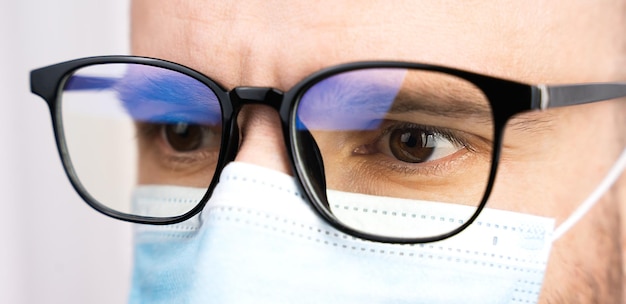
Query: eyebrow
x,y
448,103
332,102
188,94
457,103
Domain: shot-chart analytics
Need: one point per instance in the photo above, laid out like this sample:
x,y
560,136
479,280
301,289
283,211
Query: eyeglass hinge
x,y
544,96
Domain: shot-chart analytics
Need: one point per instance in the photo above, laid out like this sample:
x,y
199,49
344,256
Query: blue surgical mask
x,y
258,241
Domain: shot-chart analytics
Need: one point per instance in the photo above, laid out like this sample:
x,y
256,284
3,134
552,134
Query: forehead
x,y
278,42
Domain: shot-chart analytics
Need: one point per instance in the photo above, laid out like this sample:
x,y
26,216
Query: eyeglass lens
x,y
405,152
130,125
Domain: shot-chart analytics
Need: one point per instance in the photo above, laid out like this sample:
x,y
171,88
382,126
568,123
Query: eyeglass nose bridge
x,y
274,98
241,96
238,97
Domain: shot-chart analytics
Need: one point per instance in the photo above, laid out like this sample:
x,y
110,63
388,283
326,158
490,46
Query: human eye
x,y
180,145
413,143
183,137
411,147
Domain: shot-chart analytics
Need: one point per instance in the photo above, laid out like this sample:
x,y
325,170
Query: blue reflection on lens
x,y
157,95
77,83
355,100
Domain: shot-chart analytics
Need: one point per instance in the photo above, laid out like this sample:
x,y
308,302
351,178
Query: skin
x,y
271,43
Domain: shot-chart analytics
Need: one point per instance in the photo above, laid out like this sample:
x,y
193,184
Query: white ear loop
x,y
591,200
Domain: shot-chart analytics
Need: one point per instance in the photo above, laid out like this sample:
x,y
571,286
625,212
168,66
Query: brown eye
x,y
412,145
183,137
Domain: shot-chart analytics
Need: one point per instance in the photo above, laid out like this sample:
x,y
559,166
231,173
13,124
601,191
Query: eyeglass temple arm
x,y
568,95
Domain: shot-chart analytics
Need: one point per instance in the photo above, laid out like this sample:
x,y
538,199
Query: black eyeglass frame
x,y
506,98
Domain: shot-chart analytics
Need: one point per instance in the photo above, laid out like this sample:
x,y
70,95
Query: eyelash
x,y
446,133
428,168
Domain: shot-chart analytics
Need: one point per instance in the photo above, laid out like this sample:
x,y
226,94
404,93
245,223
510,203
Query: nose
x,y
261,137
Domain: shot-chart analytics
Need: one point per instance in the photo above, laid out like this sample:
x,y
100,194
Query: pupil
x,y
411,145
183,137
409,140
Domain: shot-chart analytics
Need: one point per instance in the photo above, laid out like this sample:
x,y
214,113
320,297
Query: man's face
x,y
551,161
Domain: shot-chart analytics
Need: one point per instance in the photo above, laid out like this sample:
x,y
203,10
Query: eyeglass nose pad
x,y
314,166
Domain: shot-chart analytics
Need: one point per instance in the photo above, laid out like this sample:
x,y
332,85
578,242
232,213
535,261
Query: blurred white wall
x,y
53,247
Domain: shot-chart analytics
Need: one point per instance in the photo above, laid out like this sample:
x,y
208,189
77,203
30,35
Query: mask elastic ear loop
x,y
593,198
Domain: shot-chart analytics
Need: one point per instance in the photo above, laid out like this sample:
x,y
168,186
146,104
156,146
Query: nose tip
x,y
262,141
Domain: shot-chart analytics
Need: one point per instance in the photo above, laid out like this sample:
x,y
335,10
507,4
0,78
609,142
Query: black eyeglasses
x,y
422,140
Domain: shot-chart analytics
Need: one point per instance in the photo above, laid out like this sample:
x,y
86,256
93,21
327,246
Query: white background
x,y
53,247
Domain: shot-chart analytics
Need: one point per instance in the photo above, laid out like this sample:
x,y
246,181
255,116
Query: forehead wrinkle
x,y
288,44
621,61
521,31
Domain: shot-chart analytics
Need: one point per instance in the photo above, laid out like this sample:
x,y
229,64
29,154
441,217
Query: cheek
x,y
148,172
575,274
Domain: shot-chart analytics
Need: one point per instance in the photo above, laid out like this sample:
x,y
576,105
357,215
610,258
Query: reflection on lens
x,y
131,126
406,153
